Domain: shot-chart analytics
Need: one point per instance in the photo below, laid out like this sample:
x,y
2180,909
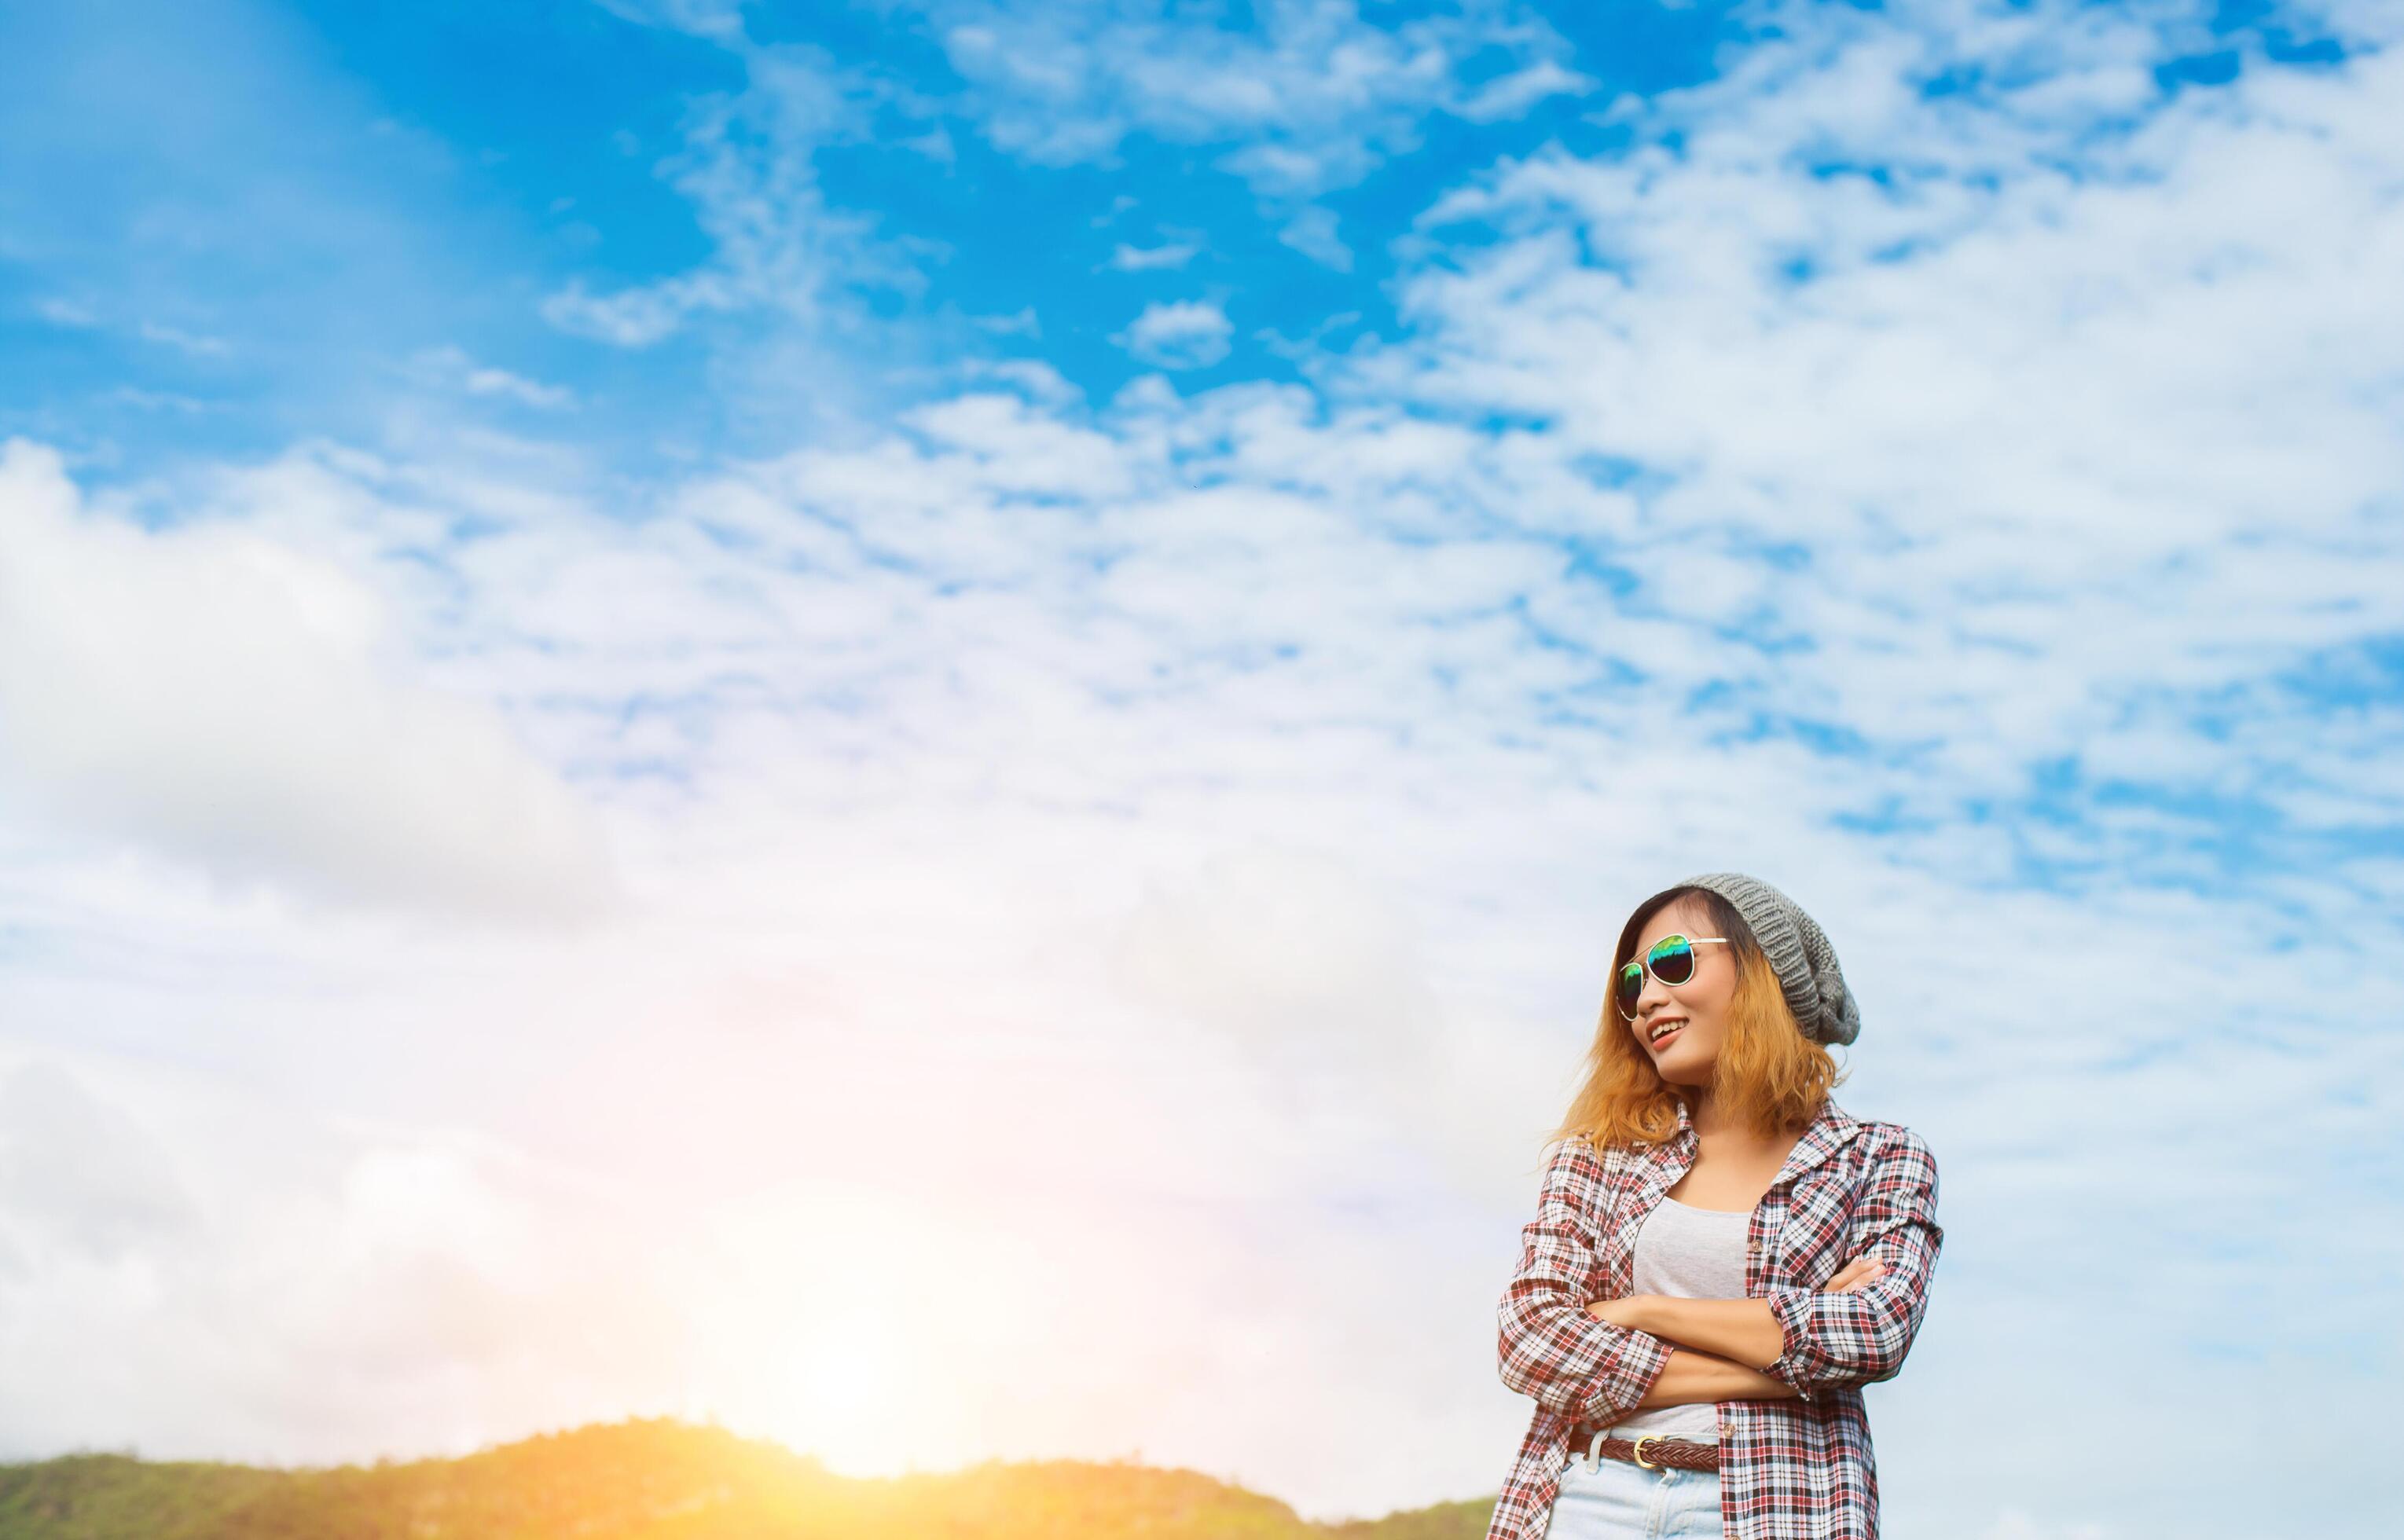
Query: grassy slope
x,y
658,1480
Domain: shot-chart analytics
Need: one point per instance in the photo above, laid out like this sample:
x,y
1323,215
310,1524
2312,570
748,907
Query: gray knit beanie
x,y
1798,948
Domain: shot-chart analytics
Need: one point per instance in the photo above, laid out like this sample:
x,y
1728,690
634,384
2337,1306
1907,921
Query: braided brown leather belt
x,y
1650,1450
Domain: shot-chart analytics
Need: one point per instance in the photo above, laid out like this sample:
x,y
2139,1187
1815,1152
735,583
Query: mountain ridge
x,y
661,1479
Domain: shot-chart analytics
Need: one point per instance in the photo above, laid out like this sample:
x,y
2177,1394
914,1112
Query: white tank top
x,y
1692,1254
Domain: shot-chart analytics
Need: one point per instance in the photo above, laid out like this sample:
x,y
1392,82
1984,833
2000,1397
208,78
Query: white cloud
x,y
637,317
748,165
66,313
1313,233
182,341
1172,254
70,316
1020,323
228,700
2148,394
1177,334
453,368
1312,97
1511,95
76,1173
246,1260
1285,949
516,387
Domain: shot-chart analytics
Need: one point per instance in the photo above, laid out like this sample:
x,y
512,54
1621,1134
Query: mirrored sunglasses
x,y
1672,961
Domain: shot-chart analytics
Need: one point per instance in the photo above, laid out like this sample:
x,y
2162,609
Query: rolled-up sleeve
x,y
1551,1348
1835,1341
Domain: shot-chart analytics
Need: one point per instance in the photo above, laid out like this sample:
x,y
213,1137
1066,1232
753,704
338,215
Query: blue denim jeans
x,y
1614,1500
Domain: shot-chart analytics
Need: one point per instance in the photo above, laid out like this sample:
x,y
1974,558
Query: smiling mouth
x,y
1673,1031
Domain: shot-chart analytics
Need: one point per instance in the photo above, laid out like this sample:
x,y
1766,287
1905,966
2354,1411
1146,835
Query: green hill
x,y
658,1480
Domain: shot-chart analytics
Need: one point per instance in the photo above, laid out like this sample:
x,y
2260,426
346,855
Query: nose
x,y
1651,998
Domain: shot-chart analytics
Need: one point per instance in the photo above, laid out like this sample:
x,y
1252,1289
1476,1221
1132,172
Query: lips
x,y
1656,1044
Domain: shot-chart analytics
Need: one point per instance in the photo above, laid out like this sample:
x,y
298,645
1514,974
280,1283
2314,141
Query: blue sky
x,y
655,657
464,164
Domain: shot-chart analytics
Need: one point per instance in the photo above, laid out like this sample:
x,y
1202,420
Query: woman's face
x,y
1698,1006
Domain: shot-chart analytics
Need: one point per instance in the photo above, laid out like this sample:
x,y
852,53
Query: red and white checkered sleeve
x,y
1551,1349
1833,1340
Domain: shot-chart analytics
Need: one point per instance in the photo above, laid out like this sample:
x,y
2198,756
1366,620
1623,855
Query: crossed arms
x,y
1598,1359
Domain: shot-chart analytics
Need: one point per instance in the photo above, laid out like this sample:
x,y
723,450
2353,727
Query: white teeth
x,y
1666,1027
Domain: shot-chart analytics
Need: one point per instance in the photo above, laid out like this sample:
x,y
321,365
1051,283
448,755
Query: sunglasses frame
x,y
1645,964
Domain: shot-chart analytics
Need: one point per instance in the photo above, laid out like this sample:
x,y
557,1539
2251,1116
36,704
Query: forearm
x,y
1741,1330
1692,1377
1549,1348
1571,1364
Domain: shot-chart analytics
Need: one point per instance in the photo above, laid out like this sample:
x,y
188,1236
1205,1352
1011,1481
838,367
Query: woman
x,y
1721,1258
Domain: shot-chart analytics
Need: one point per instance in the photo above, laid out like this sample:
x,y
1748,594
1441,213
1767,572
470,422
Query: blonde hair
x,y
1768,1077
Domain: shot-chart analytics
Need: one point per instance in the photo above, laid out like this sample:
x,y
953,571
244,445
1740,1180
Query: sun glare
x,y
806,1342
846,1395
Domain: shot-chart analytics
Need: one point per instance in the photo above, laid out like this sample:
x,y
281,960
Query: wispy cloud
x,y
1173,254
182,341
748,166
1313,233
1177,334
451,367
1509,95
1310,98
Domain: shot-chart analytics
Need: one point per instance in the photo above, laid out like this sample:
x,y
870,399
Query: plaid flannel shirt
x,y
1790,1469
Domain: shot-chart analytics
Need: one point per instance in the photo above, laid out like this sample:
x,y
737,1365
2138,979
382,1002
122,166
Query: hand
x,y
1856,1273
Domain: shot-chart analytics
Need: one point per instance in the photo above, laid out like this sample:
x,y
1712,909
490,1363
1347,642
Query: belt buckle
x,y
1642,1440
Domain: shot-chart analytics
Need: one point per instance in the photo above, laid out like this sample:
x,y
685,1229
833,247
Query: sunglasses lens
x,y
1673,959
1631,984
